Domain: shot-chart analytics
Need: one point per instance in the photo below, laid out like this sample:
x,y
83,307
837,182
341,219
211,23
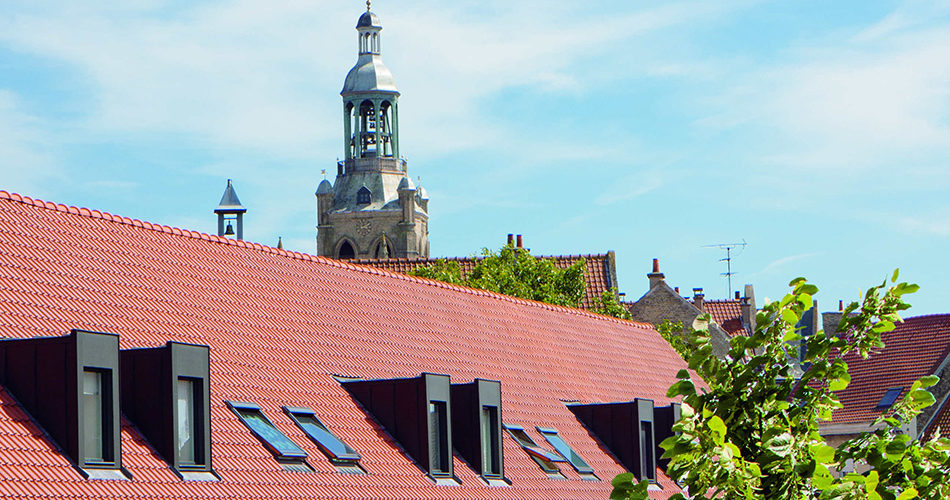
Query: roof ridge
x,y
97,214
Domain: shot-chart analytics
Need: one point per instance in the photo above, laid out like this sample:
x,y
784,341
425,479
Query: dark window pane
x,y
491,458
331,445
544,458
187,422
647,468
438,437
566,451
278,443
92,416
890,397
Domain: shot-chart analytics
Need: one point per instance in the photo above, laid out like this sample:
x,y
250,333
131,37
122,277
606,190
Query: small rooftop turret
x,y
231,211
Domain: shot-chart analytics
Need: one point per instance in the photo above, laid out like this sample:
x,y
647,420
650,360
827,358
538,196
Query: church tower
x,y
372,210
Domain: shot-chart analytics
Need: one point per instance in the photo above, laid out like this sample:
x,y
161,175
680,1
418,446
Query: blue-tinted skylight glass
x,y
329,444
565,450
544,458
890,397
278,443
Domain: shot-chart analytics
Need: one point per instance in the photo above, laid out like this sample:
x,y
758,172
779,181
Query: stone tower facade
x,y
372,210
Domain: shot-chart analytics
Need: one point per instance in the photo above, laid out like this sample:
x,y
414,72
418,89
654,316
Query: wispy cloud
x,y
779,264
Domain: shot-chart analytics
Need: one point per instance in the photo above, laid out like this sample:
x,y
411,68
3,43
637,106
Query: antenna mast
x,y
728,247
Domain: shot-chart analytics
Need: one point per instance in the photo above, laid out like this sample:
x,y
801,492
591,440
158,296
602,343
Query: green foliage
x,y
754,432
514,271
441,270
673,333
609,304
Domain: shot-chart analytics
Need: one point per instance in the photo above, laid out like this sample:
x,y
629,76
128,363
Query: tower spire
x,y
367,5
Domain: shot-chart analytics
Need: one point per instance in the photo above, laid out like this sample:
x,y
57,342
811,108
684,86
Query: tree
x,y
609,304
514,271
754,432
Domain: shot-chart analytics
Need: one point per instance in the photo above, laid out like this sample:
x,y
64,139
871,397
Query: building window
x,y
283,449
347,251
363,196
491,454
648,469
578,463
889,397
334,448
438,438
97,412
545,459
188,407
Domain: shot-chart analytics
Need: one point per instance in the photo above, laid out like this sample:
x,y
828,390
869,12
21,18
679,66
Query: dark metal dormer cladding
x,y
476,426
627,431
417,413
69,385
165,393
665,418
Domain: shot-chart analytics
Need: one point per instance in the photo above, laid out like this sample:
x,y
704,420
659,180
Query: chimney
x,y
840,306
677,290
737,294
511,240
520,242
698,298
747,308
656,276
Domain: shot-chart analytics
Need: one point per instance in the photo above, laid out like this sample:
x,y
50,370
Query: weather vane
x,y
367,6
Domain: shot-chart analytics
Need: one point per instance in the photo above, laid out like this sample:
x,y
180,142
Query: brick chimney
x,y
698,298
656,276
747,308
520,242
511,240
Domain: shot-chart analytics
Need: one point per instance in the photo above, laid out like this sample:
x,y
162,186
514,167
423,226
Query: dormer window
x,y
69,386
165,394
626,428
476,427
287,453
346,459
364,196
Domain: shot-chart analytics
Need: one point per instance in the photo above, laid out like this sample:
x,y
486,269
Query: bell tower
x,y
372,209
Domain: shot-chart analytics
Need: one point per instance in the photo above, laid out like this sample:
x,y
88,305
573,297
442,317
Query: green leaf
x,y
823,453
908,494
895,275
716,425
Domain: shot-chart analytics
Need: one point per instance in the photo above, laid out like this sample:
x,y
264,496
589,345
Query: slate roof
x,y
728,314
915,348
600,274
279,324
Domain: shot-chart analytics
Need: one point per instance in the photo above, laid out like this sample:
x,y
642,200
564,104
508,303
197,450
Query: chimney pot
x,y
656,276
737,295
656,265
511,239
698,298
677,289
520,242
840,305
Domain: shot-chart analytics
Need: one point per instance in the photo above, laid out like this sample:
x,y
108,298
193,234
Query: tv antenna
x,y
728,247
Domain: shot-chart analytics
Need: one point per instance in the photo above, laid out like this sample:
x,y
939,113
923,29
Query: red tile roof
x,y
914,349
279,325
727,314
599,275
940,421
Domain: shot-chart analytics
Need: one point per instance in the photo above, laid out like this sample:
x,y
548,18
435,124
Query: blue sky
x,y
816,131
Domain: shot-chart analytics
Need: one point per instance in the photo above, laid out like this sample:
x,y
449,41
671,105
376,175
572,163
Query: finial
x,y
324,172
280,242
367,5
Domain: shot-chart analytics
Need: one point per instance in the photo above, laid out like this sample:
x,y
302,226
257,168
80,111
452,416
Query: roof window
x,y
890,397
583,469
363,196
346,459
165,394
545,459
69,386
291,456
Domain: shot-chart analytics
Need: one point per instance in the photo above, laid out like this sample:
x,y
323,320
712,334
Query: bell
x,y
229,231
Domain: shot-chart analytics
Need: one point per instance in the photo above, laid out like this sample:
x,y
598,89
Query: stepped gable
x,y
280,325
915,348
599,274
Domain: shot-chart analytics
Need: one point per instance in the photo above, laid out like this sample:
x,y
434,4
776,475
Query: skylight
x,y
331,446
544,458
275,441
579,464
890,397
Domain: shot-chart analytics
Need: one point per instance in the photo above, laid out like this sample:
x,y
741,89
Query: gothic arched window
x,y
346,251
363,196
